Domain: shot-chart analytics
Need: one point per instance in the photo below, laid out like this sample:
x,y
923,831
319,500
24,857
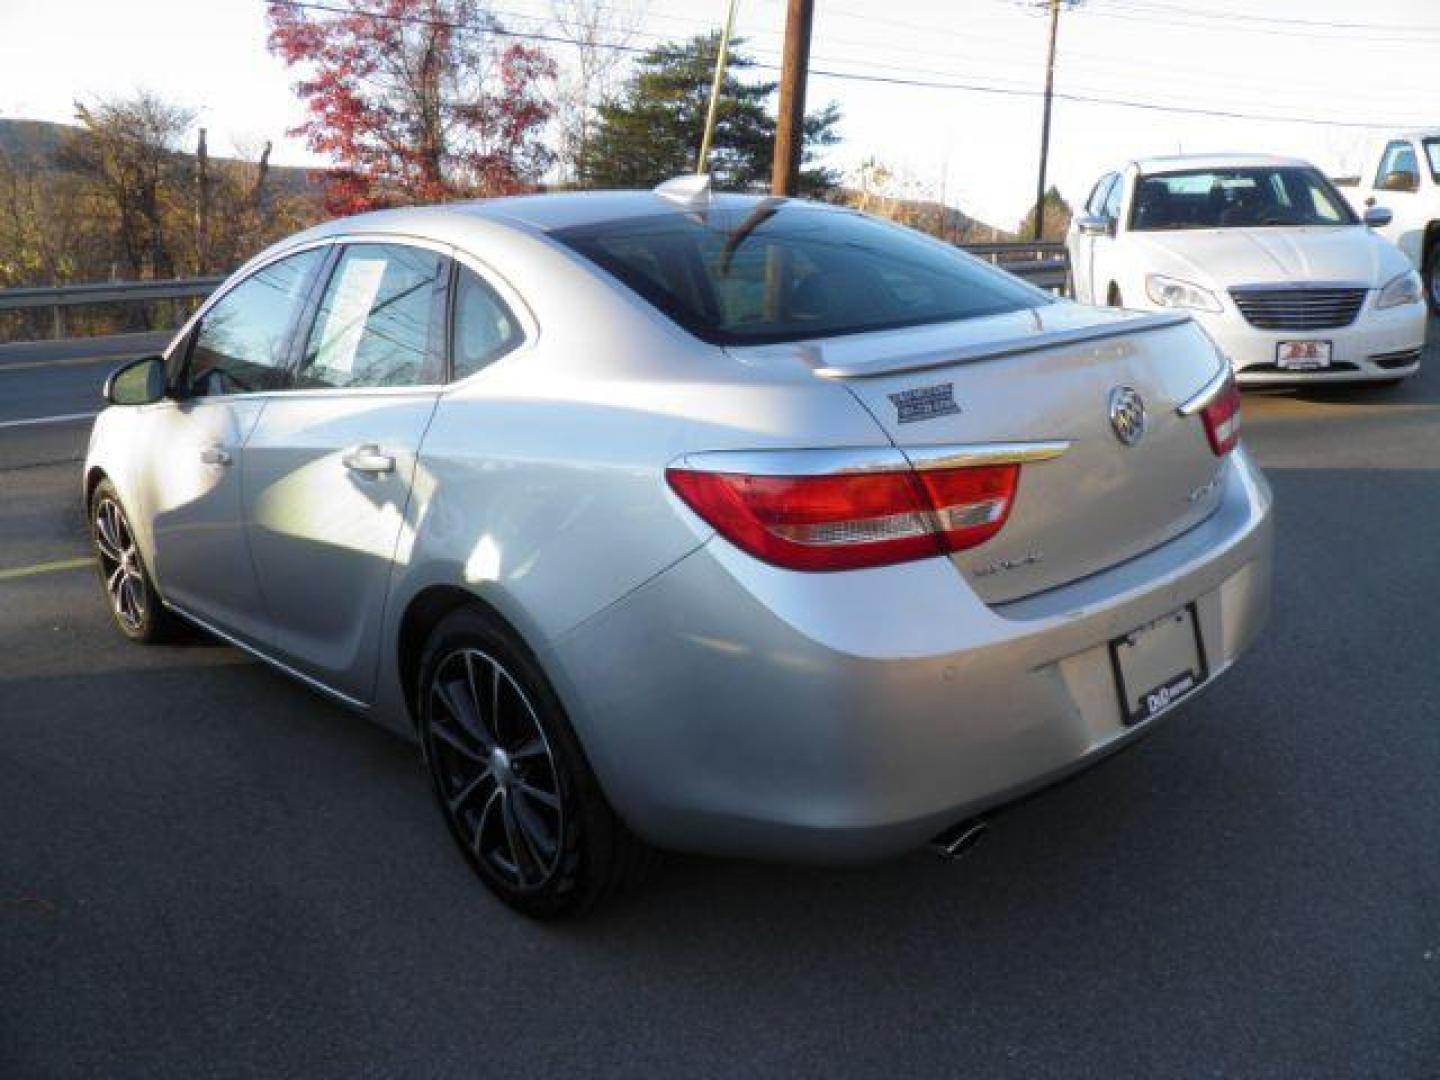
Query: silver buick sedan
x,y
677,520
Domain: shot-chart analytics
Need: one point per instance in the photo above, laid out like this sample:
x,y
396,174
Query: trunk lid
x,y
1047,375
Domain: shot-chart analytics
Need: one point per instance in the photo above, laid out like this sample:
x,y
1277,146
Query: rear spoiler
x,y
995,350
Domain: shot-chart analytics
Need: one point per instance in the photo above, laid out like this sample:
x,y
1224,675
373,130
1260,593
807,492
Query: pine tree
x,y
652,130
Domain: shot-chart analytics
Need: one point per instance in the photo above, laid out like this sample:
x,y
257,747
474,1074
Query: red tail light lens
x,y
1222,419
855,520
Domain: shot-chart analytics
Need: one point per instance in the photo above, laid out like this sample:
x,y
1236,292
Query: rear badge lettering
x,y
1002,565
925,403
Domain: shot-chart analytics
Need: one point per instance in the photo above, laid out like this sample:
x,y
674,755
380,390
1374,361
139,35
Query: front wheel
x,y
511,779
134,601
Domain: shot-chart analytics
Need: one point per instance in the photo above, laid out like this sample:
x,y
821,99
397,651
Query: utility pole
x,y
790,126
1045,124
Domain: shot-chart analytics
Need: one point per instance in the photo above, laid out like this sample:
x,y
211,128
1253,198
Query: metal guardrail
x,y
106,292
1041,264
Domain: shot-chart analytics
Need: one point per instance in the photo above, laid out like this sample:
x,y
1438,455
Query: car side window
x,y
377,321
1399,168
1096,203
485,329
241,346
1111,209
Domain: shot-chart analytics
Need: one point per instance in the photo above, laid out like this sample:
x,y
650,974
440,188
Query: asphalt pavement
x,y
208,871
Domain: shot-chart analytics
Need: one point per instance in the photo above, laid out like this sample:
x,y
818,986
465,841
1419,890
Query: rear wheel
x,y
134,601
513,784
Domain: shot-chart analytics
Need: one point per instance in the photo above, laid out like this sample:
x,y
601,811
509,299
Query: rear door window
x,y
485,328
378,321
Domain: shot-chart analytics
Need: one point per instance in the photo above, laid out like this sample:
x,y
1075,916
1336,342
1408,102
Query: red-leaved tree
x,y
415,100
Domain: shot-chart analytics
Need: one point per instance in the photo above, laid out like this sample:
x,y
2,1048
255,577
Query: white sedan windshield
x,y
1238,198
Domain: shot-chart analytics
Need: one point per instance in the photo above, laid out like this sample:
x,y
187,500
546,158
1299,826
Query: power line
x,y
1073,60
1119,102
1243,16
864,77
1177,19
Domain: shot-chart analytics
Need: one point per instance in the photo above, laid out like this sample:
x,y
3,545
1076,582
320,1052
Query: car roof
x,y
1421,133
549,212
1183,162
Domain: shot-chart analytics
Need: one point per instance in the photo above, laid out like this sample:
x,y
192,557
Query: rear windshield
x,y
1238,198
785,272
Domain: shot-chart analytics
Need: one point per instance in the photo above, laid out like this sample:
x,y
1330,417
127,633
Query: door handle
x,y
215,455
368,459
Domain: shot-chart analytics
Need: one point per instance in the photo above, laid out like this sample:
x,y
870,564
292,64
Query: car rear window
x,y
766,274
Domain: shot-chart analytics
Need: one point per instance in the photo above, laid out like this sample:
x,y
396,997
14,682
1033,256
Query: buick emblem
x,y
1127,415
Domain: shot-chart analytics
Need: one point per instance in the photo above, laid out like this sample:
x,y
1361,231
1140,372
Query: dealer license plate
x,y
1158,664
1302,355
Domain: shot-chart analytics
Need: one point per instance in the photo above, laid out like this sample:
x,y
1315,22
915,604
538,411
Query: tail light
x,y
852,520
1222,419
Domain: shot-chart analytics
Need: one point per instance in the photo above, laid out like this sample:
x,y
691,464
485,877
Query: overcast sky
x,y
1338,61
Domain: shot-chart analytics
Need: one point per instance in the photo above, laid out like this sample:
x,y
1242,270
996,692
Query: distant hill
x,y
948,222
35,144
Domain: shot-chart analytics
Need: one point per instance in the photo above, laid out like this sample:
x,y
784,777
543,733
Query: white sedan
x,y
1265,254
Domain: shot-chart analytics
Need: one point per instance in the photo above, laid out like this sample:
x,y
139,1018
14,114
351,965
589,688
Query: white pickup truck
x,y
1401,174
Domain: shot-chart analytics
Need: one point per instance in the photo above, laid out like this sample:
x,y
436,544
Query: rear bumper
x,y
733,708
1378,345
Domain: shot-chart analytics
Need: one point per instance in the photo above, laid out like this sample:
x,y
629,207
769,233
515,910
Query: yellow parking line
x,y
45,568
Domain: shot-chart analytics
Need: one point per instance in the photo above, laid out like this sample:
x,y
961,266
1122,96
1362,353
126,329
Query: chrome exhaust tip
x,y
955,841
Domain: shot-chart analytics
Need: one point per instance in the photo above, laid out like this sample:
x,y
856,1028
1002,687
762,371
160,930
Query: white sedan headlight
x,y
1174,293
1405,289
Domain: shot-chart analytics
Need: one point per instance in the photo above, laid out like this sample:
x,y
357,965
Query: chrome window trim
x,y
1207,393
846,461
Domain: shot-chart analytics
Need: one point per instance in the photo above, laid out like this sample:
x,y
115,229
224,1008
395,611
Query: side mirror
x,y
139,382
1400,180
1377,217
1092,225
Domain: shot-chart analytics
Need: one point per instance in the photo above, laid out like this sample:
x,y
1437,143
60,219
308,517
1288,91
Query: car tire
x,y
130,592
512,782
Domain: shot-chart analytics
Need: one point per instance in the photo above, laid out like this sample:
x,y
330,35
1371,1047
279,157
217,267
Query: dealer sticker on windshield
x,y
1158,664
1302,355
